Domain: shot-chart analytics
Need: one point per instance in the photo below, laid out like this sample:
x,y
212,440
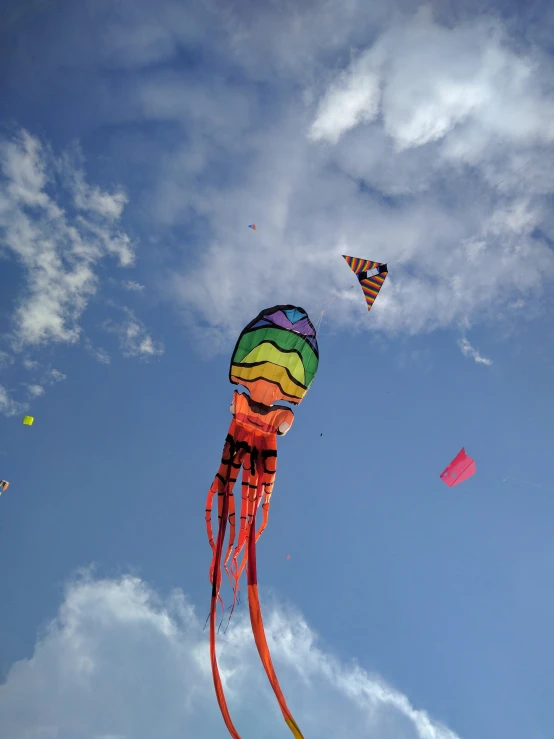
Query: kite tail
x,y
258,626
213,612
249,494
246,484
534,484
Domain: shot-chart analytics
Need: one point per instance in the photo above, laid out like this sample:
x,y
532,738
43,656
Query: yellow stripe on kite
x,y
269,372
266,352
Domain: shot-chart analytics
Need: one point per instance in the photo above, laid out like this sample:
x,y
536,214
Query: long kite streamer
x,y
276,358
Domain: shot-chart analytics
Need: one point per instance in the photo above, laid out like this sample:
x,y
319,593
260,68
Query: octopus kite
x,y
276,358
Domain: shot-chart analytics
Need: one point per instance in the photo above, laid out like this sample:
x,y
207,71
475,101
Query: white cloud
x,y
120,662
32,390
134,339
353,98
469,351
8,406
5,359
101,355
55,375
35,390
58,253
337,128
91,199
468,74
403,146
517,304
133,286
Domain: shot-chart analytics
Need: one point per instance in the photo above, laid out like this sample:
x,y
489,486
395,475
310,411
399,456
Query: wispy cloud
x,y
134,338
133,286
120,661
451,89
5,359
55,375
387,133
8,406
35,390
469,351
58,251
41,379
392,157
101,355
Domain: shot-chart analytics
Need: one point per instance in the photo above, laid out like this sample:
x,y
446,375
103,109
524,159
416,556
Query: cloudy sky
x,y
138,140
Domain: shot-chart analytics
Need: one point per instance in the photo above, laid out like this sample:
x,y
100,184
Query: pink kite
x,y
461,468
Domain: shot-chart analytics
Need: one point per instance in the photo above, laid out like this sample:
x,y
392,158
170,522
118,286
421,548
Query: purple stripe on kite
x,y
303,327
300,327
279,319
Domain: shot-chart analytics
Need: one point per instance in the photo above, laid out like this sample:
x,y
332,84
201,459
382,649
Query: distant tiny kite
x,y
252,226
29,420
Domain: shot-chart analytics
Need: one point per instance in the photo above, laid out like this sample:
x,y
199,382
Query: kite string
x,y
534,484
330,302
515,171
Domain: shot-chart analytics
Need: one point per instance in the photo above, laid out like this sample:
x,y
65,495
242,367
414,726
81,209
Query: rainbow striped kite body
x,y
276,356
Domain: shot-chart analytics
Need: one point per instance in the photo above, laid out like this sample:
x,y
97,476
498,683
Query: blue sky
x,y
137,142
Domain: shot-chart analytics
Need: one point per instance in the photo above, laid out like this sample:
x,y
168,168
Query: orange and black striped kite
x,y
276,358
371,276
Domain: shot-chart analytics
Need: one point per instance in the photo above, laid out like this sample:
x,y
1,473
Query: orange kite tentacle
x,y
222,479
242,451
216,577
269,462
218,485
223,484
249,494
258,626
269,466
249,482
